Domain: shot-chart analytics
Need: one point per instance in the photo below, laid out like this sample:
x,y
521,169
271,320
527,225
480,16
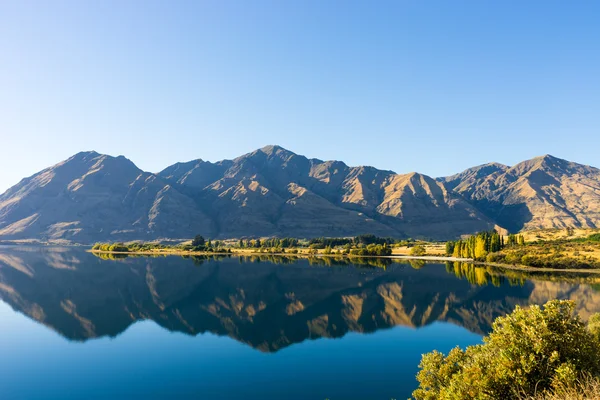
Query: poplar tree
x,y
480,248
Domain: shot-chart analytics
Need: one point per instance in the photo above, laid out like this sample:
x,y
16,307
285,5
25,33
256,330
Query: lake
x,y
77,326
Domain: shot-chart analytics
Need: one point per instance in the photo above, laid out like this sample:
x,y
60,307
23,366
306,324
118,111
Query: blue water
x,y
73,326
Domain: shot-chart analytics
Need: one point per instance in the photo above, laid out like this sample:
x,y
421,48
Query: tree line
x,y
283,243
373,250
367,239
115,247
478,246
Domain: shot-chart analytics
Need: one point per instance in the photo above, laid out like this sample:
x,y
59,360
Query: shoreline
x,y
304,255
346,256
234,252
527,268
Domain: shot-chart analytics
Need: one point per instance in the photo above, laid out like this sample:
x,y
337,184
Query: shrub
x,y
529,351
529,260
585,388
494,258
513,258
418,250
594,238
372,250
120,247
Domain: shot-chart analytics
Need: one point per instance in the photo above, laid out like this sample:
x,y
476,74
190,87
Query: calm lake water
x,y
75,326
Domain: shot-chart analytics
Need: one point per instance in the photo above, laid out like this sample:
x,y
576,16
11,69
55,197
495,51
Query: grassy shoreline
x,y
562,252
242,252
431,258
527,268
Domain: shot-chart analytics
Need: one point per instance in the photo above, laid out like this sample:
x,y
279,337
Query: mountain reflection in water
x,y
266,302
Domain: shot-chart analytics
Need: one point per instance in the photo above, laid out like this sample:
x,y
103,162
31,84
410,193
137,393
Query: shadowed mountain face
x,y
267,305
274,192
545,192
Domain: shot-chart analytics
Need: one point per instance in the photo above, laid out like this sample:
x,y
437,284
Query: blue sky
x,y
428,86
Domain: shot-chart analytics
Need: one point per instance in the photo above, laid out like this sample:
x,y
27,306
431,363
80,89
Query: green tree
x,y
457,250
495,243
480,248
198,241
450,248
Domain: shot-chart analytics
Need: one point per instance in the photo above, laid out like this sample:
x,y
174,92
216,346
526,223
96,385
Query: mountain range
x,y
275,192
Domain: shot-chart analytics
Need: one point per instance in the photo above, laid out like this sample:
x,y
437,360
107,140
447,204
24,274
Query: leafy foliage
x,y
480,245
584,389
547,255
418,250
529,351
136,247
112,247
198,241
372,250
322,242
594,238
283,243
372,239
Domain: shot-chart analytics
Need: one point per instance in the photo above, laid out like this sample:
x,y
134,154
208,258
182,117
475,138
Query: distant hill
x,y
275,192
541,193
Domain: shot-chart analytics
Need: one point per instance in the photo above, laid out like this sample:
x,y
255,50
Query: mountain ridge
x,y
273,191
544,192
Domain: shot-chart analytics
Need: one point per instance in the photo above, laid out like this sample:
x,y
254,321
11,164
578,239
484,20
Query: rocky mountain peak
x,y
540,193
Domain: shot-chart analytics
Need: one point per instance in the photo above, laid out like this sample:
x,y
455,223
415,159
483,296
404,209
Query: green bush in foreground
x,y
530,352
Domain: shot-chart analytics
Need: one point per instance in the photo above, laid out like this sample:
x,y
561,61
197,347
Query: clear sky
x,y
428,86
